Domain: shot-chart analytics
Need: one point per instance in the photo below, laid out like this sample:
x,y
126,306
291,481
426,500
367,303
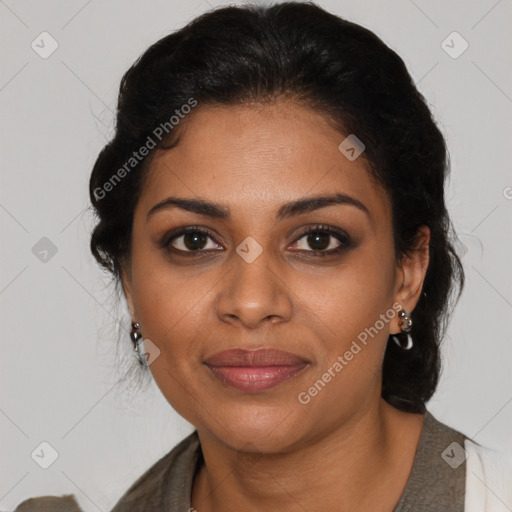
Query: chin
x,y
250,427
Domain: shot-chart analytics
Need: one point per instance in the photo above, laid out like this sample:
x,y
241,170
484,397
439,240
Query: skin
x,y
346,449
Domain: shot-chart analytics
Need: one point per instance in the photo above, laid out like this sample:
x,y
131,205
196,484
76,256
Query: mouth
x,y
255,370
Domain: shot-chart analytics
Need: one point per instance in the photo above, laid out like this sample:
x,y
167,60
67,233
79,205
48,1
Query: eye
x,y
190,239
319,241
323,240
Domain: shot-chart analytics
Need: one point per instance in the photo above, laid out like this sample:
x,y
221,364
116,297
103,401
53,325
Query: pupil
x,y
192,239
316,239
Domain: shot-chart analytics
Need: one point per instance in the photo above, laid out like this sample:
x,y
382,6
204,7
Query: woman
x,y
272,204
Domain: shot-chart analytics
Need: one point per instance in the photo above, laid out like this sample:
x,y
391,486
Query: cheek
x,y
358,313
171,313
352,297
164,300
355,303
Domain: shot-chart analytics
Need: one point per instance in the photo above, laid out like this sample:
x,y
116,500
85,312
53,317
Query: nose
x,y
253,294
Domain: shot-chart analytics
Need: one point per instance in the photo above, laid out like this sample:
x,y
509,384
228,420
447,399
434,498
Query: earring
x,y
137,342
405,324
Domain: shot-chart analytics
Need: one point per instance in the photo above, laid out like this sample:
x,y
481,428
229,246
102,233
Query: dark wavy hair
x,y
298,51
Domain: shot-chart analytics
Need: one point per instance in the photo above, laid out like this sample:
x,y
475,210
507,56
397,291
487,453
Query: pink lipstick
x,y
254,370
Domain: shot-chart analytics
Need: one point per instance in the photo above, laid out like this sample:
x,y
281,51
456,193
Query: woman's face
x,y
327,298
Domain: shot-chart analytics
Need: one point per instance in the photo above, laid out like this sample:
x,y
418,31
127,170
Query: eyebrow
x,y
297,207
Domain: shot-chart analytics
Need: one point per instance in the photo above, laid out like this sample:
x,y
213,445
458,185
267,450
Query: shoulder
x,y
65,503
488,478
165,483
479,477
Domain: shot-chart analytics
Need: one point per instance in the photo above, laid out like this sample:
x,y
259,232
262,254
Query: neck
x,y
359,465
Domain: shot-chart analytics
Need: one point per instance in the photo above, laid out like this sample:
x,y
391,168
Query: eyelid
x,y
324,228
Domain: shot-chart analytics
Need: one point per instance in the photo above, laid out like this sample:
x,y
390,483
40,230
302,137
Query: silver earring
x,y
405,324
137,343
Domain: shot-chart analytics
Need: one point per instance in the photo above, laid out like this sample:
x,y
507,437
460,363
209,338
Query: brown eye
x,y
194,241
319,241
190,240
323,240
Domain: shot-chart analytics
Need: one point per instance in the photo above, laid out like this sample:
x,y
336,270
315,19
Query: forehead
x,y
259,155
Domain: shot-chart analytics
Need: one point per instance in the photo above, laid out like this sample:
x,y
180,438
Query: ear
x,y
127,286
410,275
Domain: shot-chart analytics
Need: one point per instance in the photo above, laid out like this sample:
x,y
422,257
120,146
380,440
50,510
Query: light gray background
x,y
59,369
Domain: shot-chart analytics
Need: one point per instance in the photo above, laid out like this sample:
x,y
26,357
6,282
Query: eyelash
x,y
341,236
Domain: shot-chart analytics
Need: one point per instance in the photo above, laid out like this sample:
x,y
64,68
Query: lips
x,y
254,370
255,357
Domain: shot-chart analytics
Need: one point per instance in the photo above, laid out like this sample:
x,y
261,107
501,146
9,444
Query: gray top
x,y
438,478
436,482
